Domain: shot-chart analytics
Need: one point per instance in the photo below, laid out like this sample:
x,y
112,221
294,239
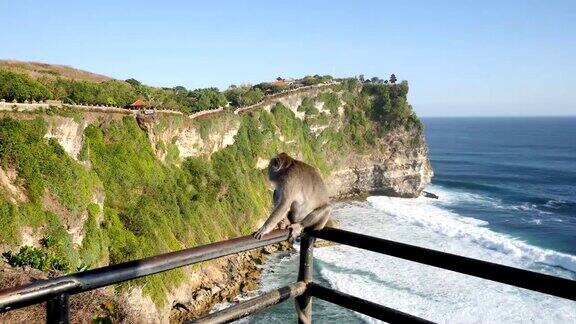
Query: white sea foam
x,y
555,203
449,197
426,213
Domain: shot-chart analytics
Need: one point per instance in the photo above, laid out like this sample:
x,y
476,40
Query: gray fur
x,y
300,195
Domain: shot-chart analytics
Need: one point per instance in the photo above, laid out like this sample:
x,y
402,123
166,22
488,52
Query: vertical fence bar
x,y
304,302
58,310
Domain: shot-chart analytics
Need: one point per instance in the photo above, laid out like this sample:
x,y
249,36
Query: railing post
x,y
58,310
304,302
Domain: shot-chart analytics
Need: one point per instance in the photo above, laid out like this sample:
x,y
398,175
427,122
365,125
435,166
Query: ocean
x,y
507,194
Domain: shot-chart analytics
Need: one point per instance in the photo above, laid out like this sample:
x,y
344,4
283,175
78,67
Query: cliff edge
x,y
92,188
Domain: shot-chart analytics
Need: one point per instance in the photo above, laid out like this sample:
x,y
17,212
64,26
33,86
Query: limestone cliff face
x,y
191,137
68,133
401,169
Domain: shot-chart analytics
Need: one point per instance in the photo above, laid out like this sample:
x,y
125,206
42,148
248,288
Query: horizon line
x,y
502,116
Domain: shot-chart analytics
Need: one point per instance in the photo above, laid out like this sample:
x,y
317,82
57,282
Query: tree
x,y
244,95
179,88
392,78
316,79
133,82
207,98
20,87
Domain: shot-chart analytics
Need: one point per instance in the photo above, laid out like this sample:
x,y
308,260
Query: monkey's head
x,y
278,166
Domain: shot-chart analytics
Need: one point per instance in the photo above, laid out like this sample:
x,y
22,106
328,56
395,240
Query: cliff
x,y
94,188
395,170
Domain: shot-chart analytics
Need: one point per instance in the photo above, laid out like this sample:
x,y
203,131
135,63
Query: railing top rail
x,y
531,280
44,290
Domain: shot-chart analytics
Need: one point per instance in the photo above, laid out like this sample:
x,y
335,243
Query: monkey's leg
x,y
315,220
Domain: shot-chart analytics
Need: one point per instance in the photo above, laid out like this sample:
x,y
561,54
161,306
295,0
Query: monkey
x,y
300,195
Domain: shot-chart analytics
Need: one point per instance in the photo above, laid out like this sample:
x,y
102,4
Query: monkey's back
x,y
307,180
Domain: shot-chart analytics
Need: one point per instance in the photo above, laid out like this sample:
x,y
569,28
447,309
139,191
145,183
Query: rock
x,y
429,195
270,249
249,286
323,243
215,290
180,307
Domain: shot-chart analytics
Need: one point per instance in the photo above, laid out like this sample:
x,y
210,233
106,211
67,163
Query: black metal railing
x,y
55,292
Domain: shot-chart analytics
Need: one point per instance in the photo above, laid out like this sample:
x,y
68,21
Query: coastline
x,y
242,274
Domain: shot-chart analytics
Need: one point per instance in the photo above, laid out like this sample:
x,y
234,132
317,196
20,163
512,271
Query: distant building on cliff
x,y
138,104
280,82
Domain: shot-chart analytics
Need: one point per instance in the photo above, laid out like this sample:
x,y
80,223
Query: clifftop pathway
x,y
39,106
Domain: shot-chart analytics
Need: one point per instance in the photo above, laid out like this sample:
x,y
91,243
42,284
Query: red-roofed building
x,y
138,104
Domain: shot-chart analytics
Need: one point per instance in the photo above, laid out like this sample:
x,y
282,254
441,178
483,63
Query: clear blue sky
x,y
464,58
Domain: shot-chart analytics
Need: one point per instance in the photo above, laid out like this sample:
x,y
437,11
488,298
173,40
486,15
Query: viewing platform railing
x,y
55,292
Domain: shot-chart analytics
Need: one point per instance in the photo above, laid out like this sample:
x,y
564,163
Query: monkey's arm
x,y
276,197
279,212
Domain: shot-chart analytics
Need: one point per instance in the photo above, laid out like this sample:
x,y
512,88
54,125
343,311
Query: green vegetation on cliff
x,y
20,87
153,206
44,170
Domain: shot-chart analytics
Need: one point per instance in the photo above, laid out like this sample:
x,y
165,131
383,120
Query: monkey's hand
x,y
261,232
295,231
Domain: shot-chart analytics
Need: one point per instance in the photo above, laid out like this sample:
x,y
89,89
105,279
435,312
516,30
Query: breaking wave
x,y
426,213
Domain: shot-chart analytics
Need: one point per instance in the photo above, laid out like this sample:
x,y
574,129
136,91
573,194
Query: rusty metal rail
x,y
55,292
45,290
254,305
383,313
540,282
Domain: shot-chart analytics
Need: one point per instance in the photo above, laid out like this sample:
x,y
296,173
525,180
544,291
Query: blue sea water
x,y
526,165
507,190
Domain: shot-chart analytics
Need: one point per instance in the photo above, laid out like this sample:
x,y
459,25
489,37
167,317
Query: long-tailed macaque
x,y
300,195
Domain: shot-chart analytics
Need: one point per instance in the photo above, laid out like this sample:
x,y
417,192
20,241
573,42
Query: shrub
x,y
95,243
390,106
244,96
331,101
9,222
308,107
35,258
43,164
316,79
20,87
204,99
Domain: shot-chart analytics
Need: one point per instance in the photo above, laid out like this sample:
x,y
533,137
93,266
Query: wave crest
x,y
425,213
